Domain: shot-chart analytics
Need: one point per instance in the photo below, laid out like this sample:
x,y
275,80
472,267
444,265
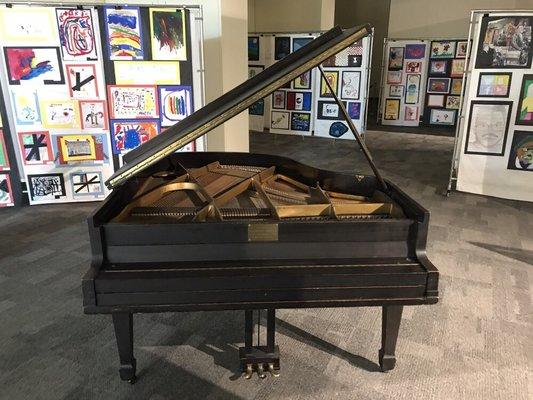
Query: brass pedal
x,y
249,371
273,372
260,371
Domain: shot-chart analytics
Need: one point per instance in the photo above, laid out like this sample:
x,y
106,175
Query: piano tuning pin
x,y
261,371
249,371
272,371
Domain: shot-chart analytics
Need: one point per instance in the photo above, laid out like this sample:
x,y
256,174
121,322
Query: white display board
x,y
403,84
494,148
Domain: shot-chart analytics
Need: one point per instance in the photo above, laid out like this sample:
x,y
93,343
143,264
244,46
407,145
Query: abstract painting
x,y
396,55
282,47
80,149
505,42
279,120
443,49
26,106
133,101
253,48
76,33
86,184
300,121
453,102
124,33
411,113
4,160
415,51
354,110
34,64
303,81
300,101
146,72
82,83
493,84
438,85
392,109
488,123
337,129
333,80
412,88
128,135
442,117
258,108
93,114
46,187
30,25
521,155
6,195
413,67
176,103
36,148
351,83
59,114
524,115
168,34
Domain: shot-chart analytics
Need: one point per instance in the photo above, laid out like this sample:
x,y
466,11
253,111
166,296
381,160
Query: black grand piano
x,y
238,231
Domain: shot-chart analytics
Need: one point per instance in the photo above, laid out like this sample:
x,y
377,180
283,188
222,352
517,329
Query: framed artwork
x,y
333,79
28,25
298,43
36,148
146,72
494,84
123,31
278,99
457,86
300,121
328,110
396,58
461,48
354,110
524,115
396,90
46,187
130,134
412,88
438,67
411,113
337,129
436,100
86,184
39,65
82,82
438,85
6,194
351,84
303,81
415,51
300,101
497,50
253,48
59,114
413,67
77,148
258,108
26,106
443,49
4,160
76,33
392,109
453,102
394,77
168,34
521,155
279,120
282,47
458,67
442,117
253,70
93,114
133,101
488,124
176,103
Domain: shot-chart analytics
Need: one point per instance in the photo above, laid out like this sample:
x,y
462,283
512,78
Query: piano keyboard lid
x,y
236,100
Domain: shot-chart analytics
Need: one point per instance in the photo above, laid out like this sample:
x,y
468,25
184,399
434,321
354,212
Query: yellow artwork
x,y
333,79
59,114
147,72
168,34
77,148
27,25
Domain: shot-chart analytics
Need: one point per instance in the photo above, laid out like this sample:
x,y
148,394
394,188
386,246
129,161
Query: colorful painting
x,y
457,86
124,33
46,187
59,114
303,81
392,109
29,25
413,67
524,115
453,102
396,90
279,120
396,58
87,184
176,104
76,33
505,42
253,48
168,34
333,80
337,129
461,49
458,67
93,114
133,101
6,195
26,106
82,83
4,160
300,101
493,84
128,135
147,72
521,155
394,77
488,123
442,117
300,121
39,65
412,88
443,49
438,85
438,67
278,99
415,51
354,110
36,148
80,149
411,113
282,47
351,83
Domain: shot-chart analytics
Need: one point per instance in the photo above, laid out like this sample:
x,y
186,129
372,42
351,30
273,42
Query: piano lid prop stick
x,y
356,134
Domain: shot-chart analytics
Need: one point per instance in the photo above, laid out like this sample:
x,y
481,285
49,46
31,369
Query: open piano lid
x,y
236,100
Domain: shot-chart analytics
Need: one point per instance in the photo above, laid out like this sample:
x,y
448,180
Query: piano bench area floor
x,y
473,344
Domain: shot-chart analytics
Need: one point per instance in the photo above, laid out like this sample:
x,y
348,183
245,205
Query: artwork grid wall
x,y
403,81
495,135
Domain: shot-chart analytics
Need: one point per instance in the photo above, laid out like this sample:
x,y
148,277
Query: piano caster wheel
x,y
272,371
249,371
132,380
260,371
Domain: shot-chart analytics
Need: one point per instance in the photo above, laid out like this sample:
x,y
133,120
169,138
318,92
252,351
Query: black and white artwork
x,y
487,127
44,187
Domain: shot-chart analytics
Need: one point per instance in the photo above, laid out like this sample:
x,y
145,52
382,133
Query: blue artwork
x,y
258,108
298,43
337,129
124,34
300,121
354,110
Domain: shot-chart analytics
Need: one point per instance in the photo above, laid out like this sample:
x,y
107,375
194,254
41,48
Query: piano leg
x,y
123,323
391,318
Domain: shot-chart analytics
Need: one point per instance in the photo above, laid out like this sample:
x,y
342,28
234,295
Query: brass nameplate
x,y
262,232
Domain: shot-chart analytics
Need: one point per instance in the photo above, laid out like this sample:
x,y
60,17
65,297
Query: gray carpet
x,y
476,343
